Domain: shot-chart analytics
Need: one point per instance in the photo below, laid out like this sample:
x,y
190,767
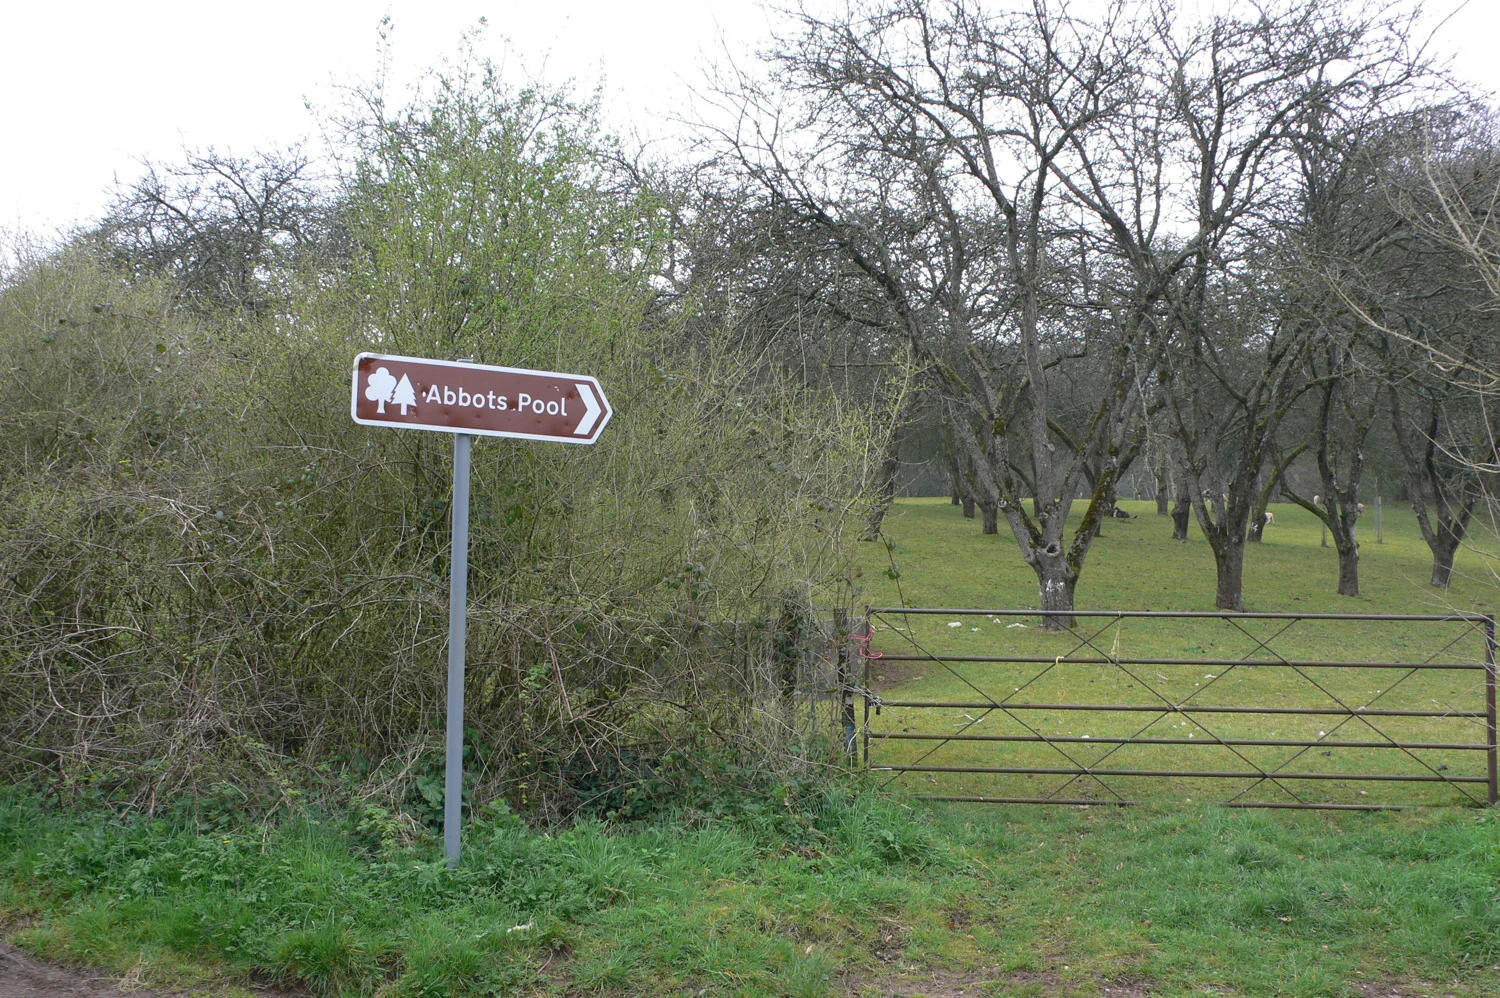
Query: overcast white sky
x,y
88,88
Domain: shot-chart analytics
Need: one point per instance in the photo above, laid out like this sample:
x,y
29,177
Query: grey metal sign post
x,y
469,400
458,633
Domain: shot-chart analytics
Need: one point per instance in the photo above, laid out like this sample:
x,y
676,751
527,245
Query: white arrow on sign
x,y
591,410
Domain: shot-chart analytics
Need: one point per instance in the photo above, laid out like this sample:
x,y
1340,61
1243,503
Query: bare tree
x,y
1042,200
1445,488
938,151
1422,284
1230,393
1251,95
1348,404
225,227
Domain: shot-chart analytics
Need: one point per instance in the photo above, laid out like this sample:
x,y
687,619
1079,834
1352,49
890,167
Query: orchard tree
x,y
936,151
1421,285
1043,200
1442,437
1348,404
1248,96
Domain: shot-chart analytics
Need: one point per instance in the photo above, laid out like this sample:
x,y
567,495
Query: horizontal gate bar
x,y
1173,709
1300,806
1105,739
1287,664
1185,773
978,799
1087,802
1473,618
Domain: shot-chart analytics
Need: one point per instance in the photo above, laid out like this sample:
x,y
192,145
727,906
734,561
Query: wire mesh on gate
x,y
1284,710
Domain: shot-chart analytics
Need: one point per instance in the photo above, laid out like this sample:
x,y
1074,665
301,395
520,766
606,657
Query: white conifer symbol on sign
x,y
405,395
380,387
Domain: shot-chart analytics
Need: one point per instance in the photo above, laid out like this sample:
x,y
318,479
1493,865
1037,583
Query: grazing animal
x,y
1317,500
1270,519
1359,507
1120,514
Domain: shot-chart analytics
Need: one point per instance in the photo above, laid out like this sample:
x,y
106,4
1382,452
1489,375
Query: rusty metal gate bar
x,y
1169,707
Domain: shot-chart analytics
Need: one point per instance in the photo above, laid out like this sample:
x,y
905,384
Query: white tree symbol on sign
x,y
405,395
380,387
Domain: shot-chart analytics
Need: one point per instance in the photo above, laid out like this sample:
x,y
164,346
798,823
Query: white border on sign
x,y
589,379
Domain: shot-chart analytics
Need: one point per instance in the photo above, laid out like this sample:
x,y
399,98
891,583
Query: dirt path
x,y
22,976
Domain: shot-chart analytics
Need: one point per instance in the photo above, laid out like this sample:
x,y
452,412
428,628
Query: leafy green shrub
x,y
215,588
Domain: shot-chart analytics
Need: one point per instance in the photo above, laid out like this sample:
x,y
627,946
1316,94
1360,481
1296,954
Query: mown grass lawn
x,y
816,889
1135,565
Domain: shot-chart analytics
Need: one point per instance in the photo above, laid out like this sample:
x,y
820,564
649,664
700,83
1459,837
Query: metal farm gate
x,y
1278,710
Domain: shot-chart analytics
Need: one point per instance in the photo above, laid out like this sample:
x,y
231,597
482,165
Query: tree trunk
x,y
885,484
991,517
1340,522
877,518
956,499
1443,555
1161,500
1182,511
1055,585
1445,530
1258,515
1263,497
1099,524
1229,560
1444,533
1225,527
1349,569
968,507
1447,538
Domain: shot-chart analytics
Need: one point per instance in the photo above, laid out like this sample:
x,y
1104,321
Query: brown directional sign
x,y
458,397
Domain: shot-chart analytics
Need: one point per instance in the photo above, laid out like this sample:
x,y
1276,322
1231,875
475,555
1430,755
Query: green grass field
x,y
936,558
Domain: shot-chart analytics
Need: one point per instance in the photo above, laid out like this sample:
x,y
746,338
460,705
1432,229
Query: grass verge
x,y
827,892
